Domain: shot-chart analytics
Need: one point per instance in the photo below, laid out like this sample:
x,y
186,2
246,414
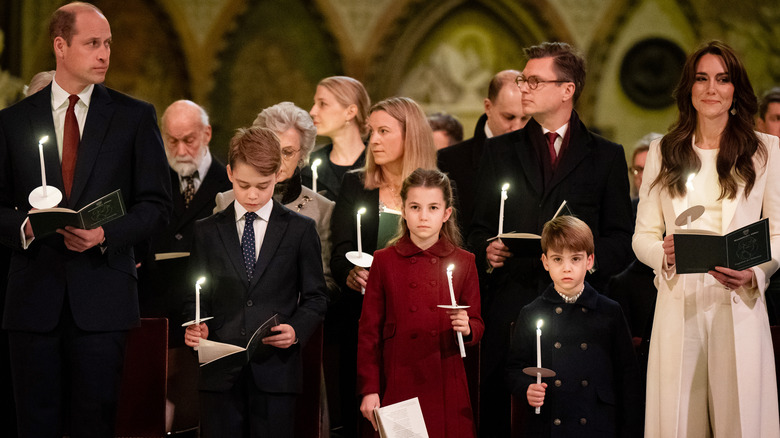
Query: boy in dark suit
x,y
596,390
259,259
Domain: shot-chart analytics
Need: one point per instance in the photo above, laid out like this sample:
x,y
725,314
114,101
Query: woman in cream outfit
x,y
711,369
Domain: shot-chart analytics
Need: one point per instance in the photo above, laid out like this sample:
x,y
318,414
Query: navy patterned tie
x,y
248,243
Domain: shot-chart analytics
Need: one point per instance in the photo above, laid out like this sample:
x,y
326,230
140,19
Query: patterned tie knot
x,y
250,217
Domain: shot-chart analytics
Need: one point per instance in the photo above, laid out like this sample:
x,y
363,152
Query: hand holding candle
x,y
504,189
314,175
462,347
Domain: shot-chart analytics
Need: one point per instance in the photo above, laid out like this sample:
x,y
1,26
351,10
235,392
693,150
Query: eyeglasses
x,y
533,82
288,152
636,170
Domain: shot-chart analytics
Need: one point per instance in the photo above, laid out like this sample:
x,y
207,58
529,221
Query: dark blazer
x,y
288,280
591,176
120,148
159,281
461,162
588,345
178,235
328,181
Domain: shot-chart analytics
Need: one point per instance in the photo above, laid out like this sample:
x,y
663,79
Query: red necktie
x,y
551,137
70,144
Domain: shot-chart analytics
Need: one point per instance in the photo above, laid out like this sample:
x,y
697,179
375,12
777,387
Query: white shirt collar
x,y
560,131
59,96
263,212
204,166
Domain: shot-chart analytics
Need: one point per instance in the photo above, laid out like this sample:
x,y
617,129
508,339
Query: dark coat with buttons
x,y
406,345
596,391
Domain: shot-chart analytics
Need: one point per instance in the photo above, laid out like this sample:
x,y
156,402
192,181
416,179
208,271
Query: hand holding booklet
x,y
222,362
401,420
97,213
700,251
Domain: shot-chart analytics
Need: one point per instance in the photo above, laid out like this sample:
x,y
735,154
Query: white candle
x,y
200,281
450,268
360,212
314,175
504,188
538,355
43,140
689,189
461,346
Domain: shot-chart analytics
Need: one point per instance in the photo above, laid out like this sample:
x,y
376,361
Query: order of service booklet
x,y
93,215
528,243
699,251
401,420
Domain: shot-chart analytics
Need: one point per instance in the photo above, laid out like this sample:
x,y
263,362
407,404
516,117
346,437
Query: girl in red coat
x,y
407,346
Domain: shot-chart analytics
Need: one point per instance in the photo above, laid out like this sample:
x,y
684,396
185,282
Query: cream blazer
x,y
755,357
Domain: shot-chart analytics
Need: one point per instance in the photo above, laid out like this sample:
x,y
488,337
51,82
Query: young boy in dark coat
x,y
596,391
259,259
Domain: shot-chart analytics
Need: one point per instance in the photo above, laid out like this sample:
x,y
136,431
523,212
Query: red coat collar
x,y
406,248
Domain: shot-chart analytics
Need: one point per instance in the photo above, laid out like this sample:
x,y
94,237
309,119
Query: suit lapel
x,y
277,225
580,144
97,123
226,226
209,186
529,159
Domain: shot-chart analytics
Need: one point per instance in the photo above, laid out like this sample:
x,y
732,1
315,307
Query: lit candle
x,y
538,355
43,140
504,188
200,281
360,212
689,189
314,166
462,347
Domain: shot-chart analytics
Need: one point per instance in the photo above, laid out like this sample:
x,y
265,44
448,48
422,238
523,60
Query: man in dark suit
x,y
570,163
503,114
196,177
72,296
259,259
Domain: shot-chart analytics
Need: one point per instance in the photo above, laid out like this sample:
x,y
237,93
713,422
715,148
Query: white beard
x,y
183,168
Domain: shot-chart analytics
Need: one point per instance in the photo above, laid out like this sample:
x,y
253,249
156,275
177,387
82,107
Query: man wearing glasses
x,y
554,158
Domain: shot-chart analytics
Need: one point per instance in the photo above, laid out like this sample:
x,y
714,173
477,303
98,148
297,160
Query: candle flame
x,y
201,280
316,163
689,182
539,324
450,268
43,139
362,210
505,187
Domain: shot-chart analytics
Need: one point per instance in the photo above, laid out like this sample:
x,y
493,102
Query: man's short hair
x,y
567,232
771,96
569,64
447,123
257,147
63,20
499,81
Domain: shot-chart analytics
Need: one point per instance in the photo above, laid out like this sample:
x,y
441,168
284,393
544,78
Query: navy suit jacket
x,y
120,148
287,280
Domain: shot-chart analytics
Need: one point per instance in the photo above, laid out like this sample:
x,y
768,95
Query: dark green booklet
x,y
699,251
97,213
